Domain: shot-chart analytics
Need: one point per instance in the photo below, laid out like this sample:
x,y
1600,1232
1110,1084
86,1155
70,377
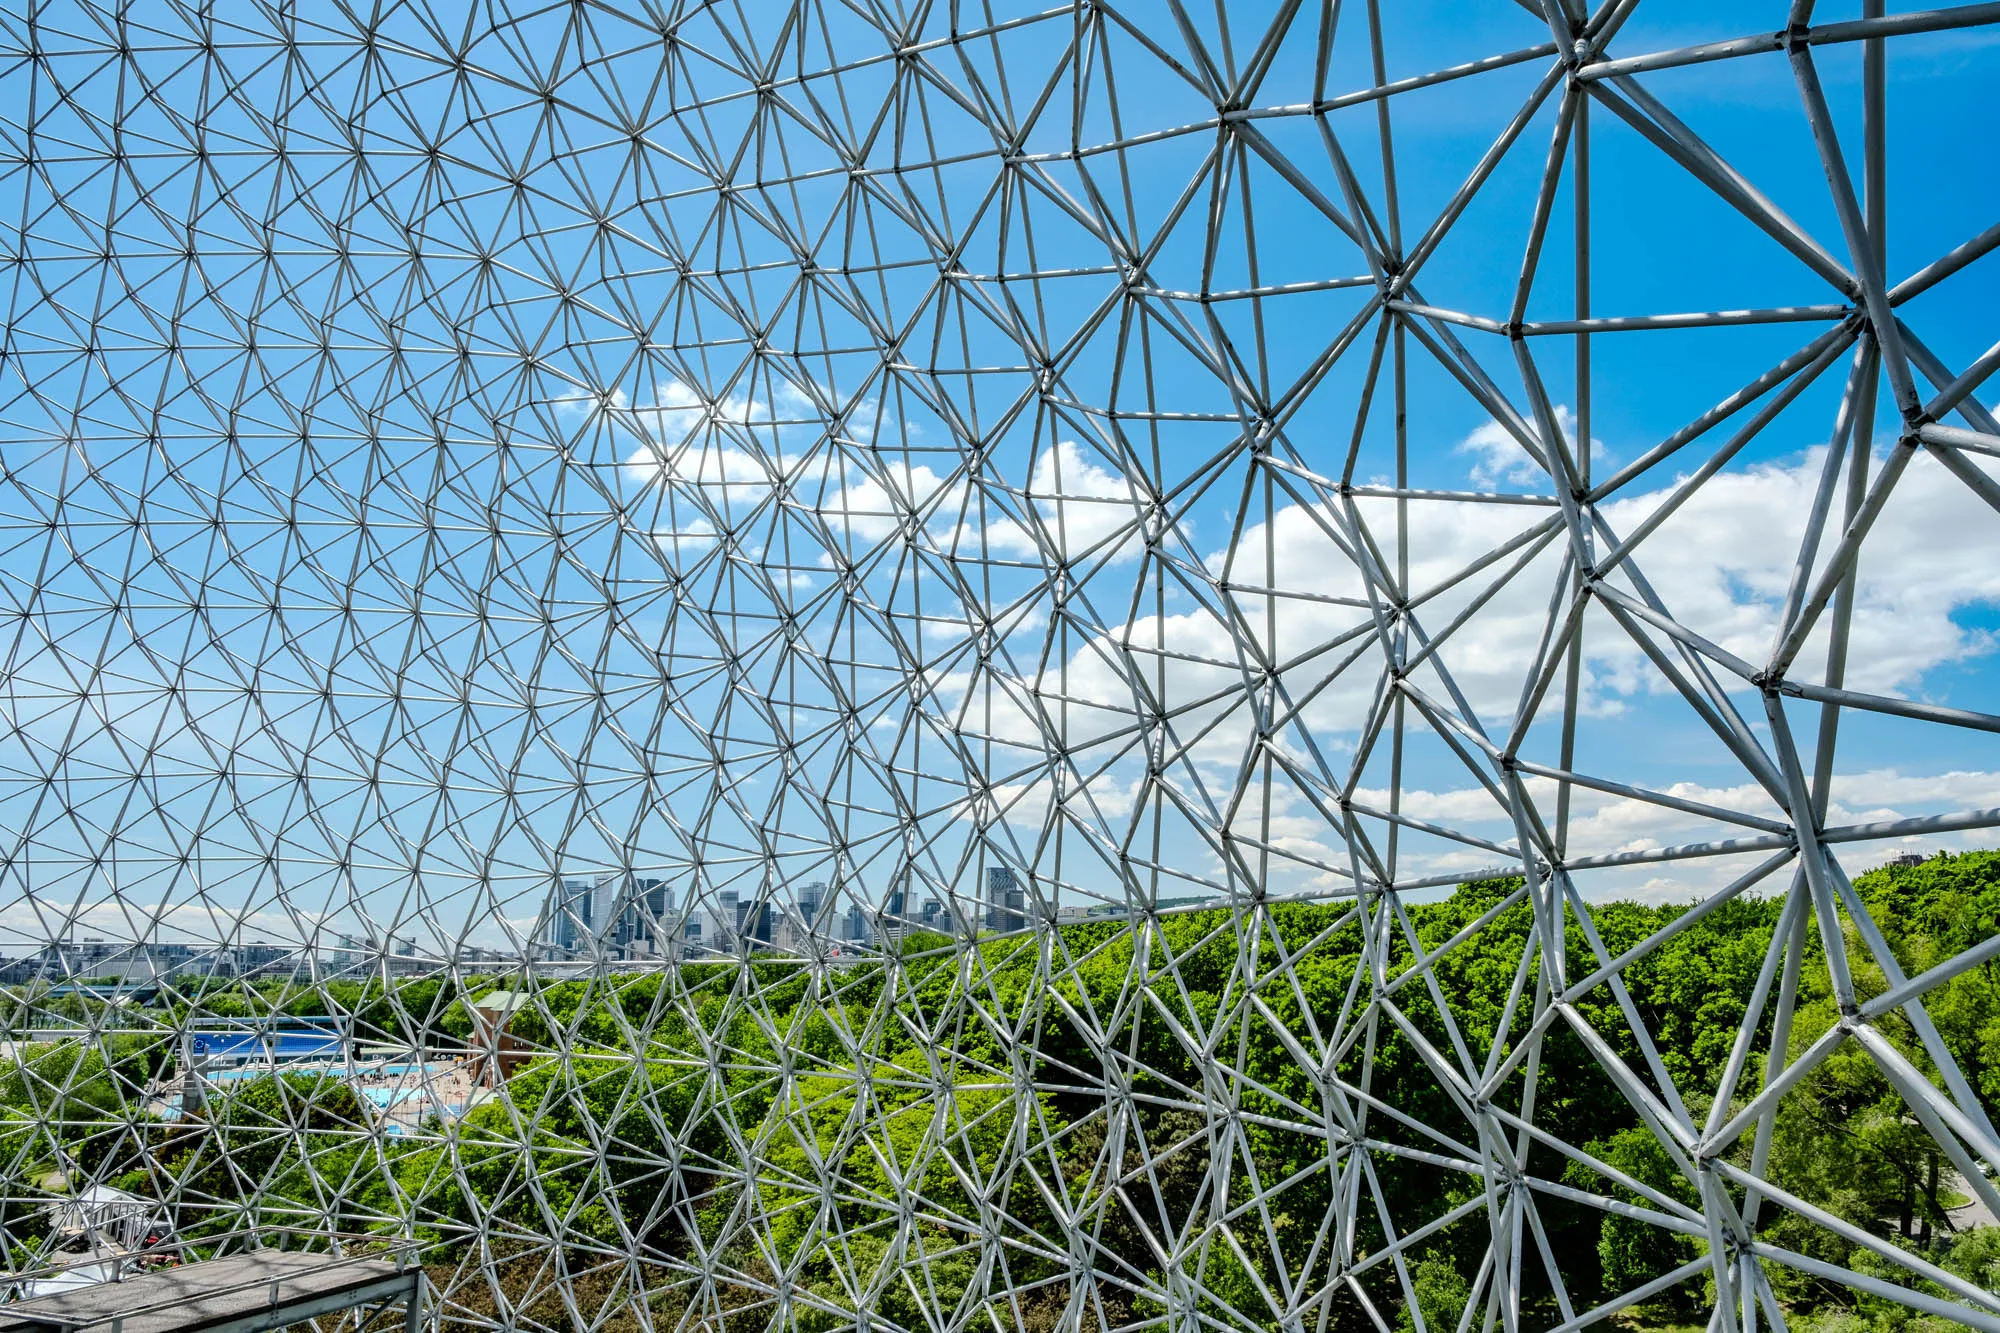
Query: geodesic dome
x,y
859,666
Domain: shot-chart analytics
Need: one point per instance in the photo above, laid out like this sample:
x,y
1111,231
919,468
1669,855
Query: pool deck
x,y
402,1100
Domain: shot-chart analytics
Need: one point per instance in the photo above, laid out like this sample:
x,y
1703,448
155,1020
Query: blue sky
x,y
511,501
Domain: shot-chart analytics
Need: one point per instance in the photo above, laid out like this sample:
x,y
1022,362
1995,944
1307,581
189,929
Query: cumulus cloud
x,y
1721,564
1308,850
1604,825
1499,462
714,466
1079,505
868,507
1297,846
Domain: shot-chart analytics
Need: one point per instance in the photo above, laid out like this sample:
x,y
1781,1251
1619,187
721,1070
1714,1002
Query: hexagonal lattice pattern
x,y
835,664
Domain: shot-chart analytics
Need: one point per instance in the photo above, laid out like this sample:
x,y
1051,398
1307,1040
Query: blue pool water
x,y
278,1045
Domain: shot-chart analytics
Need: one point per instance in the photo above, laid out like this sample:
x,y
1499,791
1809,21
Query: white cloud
x,y
1079,504
684,440
1721,564
1499,460
1602,824
868,509
688,542
696,457
1025,805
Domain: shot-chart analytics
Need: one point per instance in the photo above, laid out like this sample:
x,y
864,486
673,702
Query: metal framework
x,y
810,515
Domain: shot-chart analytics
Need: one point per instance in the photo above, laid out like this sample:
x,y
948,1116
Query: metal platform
x,y
252,1292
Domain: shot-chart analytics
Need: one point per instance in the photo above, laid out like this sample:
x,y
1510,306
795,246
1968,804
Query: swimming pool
x,y
239,1046
266,1071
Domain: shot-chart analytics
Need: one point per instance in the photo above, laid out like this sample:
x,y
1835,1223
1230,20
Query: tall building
x,y
634,913
568,924
753,923
347,955
658,897
812,918
812,903
1006,903
728,916
619,916
892,922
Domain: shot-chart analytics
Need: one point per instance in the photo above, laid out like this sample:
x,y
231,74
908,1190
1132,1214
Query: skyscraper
x,y
633,914
570,922
658,897
1006,904
892,922
755,919
728,914
812,902
623,916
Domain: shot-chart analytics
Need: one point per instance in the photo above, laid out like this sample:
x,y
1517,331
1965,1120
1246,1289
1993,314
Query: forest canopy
x,y
969,1048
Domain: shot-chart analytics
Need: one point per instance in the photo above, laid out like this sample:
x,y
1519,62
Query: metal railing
x,y
121,1264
